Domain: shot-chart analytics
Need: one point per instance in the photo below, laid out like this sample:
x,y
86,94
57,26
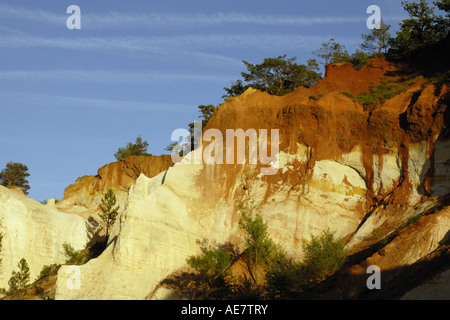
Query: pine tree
x,y
14,175
139,148
377,41
333,52
109,210
422,28
276,76
19,280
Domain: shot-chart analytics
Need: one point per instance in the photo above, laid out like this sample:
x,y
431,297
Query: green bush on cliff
x,y
48,270
15,175
212,264
287,277
258,246
276,76
138,148
73,256
323,256
377,95
333,52
422,28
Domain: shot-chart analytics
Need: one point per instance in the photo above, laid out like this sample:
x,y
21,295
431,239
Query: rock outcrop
x,y
360,173
35,232
87,192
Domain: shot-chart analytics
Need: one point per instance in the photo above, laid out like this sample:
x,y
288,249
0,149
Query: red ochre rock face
x,y
329,127
332,124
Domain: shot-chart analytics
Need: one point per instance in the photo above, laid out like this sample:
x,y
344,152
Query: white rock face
x,y
35,232
167,214
387,170
158,231
327,202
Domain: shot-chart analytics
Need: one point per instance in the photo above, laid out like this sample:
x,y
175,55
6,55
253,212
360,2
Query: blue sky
x,y
70,98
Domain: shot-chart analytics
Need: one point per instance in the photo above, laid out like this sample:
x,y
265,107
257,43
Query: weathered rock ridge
x,y
360,173
87,191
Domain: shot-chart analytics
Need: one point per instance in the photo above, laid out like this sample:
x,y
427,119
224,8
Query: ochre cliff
x,y
361,172
87,191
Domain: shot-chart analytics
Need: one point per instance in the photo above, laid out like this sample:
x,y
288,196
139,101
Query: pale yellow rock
x,y
155,235
36,233
387,171
51,203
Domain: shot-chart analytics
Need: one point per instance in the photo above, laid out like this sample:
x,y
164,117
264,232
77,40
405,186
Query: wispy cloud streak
x,y
176,20
109,77
157,43
72,102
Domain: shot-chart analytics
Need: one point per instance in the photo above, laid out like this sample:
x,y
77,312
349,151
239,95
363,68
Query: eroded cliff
x,y
361,171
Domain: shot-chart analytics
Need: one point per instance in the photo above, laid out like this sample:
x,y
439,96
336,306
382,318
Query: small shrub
x,y
73,256
313,97
212,277
139,148
378,95
212,263
284,277
323,256
48,270
259,247
287,277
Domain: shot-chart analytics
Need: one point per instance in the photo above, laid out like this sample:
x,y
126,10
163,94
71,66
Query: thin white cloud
x,y
118,105
109,77
59,101
157,20
205,48
191,20
37,15
170,46
160,44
